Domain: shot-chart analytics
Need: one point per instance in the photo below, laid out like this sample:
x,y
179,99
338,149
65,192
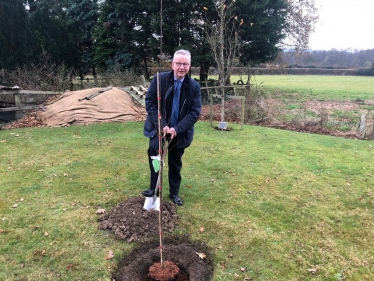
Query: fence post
x,y
243,112
362,126
18,103
211,109
211,103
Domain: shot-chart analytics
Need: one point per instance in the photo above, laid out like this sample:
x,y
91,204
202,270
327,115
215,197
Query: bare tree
x,y
302,16
223,36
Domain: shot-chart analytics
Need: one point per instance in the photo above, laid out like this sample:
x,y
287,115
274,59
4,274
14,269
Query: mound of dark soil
x,y
129,221
180,251
168,271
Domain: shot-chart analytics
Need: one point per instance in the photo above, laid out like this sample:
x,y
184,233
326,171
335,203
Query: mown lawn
x,y
317,87
280,204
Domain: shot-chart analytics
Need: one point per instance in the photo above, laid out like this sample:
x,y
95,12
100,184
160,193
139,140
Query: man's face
x,y
181,65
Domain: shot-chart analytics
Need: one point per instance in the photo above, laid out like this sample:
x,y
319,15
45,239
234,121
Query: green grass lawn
x,y
317,87
283,205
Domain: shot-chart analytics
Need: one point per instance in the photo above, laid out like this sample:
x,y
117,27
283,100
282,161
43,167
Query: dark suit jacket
x,y
189,108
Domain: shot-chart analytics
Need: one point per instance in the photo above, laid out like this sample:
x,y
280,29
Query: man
x,y
180,109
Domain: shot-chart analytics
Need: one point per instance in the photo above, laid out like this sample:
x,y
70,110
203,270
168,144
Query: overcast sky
x,y
344,24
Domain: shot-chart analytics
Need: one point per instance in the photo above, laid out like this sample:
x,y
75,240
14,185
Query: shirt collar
x,y
175,79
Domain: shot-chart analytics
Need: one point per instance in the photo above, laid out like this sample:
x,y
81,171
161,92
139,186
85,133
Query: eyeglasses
x,y
179,64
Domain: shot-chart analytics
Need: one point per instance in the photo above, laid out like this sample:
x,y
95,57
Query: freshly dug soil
x,y
158,273
129,221
184,254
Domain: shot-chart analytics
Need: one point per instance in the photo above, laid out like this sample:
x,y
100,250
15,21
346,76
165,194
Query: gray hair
x,y
183,53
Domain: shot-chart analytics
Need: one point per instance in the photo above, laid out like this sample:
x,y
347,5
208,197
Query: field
x,y
329,104
298,89
323,88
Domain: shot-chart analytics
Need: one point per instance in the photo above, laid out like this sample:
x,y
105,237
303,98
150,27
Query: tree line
x,y
329,58
92,35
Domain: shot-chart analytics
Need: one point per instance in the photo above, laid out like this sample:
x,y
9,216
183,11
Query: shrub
x,y
255,103
364,71
43,76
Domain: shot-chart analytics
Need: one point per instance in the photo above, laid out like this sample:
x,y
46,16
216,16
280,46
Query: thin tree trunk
x,y
222,44
146,69
94,75
223,104
204,72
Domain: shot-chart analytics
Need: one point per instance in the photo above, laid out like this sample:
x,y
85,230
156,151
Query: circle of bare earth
x,y
227,129
183,253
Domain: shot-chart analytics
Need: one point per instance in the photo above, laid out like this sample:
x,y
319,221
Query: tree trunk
x,y
222,104
227,80
204,71
146,69
94,74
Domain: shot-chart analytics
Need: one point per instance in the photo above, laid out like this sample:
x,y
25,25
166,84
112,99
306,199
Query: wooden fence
x,y
240,91
17,100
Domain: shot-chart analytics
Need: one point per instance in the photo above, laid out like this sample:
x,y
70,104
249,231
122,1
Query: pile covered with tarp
x,y
91,106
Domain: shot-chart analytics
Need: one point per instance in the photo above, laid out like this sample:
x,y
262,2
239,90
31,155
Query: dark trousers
x,y
174,155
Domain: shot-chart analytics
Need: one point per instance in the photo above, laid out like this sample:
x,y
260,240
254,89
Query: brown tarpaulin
x,y
114,105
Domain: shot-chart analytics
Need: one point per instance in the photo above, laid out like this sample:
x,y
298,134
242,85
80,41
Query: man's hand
x,y
172,132
165,131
